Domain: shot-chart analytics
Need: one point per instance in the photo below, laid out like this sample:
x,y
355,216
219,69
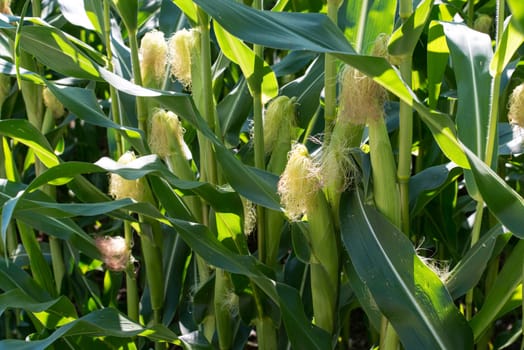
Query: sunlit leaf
x,y
501,290
405,38
471,53
366,20
255,69
511,40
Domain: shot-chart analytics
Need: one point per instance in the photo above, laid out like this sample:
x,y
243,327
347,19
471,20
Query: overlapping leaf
x,y
407,292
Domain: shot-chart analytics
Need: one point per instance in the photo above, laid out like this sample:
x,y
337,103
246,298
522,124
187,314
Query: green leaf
x,y
257,72
306,89
75,12
105,322
22,131
408,293
188,8
468,271
438,54
51,314
51,47
289,31
83,103
405,38
233,111
517,9
501,291
315,32
471,53
128,11
13,277
301,333
503,201
202,241
366,20
427,184
510,42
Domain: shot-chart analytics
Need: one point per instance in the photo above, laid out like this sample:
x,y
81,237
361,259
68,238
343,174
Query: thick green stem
x,y
405,142
330,80
224,321
152,252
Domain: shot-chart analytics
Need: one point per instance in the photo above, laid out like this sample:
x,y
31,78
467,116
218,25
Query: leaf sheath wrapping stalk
x,y
324,264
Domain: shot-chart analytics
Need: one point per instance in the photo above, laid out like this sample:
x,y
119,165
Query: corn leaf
x,y
315,32
128,11
510,42
105,322
255,69
50,46
471,54
517,9
363,21
503,201
405,38
407,292
501,291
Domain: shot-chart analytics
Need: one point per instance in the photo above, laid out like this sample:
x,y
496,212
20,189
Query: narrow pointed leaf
x,y
510,42
407,292
258,74
128,11
301,333
502,289
405,38
468,271
438,54
51,313
51,47
503,201
105,322
471,54
22,131
517,9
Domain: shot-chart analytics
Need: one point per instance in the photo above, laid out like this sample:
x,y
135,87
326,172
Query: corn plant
x,y
247,174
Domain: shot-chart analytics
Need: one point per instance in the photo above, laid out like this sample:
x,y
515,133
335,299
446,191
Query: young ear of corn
x,y
301,193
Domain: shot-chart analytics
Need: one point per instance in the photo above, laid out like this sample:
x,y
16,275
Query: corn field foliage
x,y
291,174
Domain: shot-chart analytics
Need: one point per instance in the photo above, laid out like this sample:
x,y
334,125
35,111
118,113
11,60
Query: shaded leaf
x,y
301,333
408,293
468,271
501,290
503,201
